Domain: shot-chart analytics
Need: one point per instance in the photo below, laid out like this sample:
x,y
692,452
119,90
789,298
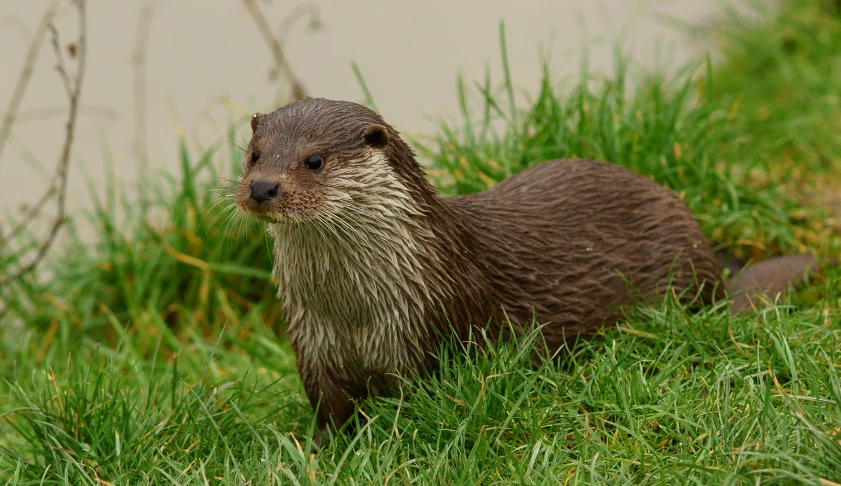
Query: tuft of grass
x,y
173,264
153,355
704,398
789,63
669,128
91,422
784,71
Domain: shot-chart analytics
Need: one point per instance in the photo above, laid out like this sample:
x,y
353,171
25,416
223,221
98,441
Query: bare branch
x,y
58,187
26,73
298,91
60,67
31,213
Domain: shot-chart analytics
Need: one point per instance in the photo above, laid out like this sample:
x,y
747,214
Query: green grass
x,y
785,73
156,355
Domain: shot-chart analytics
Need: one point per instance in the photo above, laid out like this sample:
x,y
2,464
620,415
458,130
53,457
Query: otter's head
x,y
314,159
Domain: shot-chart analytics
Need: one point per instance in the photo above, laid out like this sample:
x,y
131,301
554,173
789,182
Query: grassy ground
x,y
156,356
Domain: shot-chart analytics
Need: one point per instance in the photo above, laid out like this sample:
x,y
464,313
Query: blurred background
x,y
159,68
147,345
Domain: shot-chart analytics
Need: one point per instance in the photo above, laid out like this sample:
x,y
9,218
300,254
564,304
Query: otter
x,y
375,269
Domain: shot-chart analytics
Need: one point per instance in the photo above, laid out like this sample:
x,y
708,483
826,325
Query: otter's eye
x,y
255,154
314,162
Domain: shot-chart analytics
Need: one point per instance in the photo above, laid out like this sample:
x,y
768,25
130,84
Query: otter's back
x,y
563,239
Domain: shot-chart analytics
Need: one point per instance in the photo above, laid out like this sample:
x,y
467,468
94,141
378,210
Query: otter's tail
x,y
756,285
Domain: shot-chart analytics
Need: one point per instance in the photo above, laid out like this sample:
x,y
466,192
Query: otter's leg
x,y
333,400
334,410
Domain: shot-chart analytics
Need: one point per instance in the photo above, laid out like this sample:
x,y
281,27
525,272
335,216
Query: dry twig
x,y
58,186
298,91
26,73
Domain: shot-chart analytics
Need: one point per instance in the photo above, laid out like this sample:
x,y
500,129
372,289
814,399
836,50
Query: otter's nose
x,y
263,190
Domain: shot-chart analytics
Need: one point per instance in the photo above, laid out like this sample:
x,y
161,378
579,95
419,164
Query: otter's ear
x,y
375,135
255,121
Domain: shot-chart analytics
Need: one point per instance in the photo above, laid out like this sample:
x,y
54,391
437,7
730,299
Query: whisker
x,y
234,225
237,146
227,211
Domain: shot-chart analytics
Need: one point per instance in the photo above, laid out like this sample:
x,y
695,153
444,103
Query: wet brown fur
x,y
558,243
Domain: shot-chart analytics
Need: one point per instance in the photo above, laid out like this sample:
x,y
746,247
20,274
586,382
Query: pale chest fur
x,y
355,312
356,291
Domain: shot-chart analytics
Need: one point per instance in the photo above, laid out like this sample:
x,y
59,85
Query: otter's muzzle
x,y
263,190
